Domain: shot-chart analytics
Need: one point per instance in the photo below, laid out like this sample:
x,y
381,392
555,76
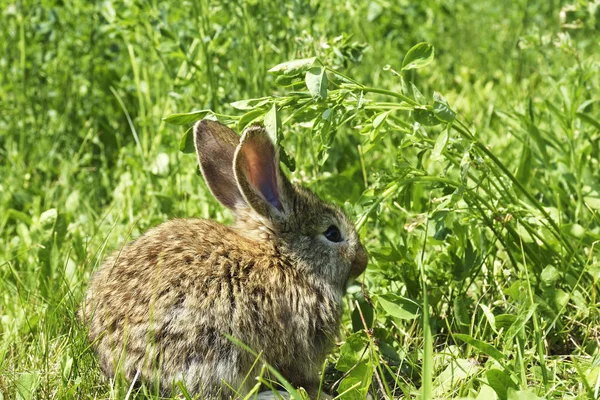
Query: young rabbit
x,y
159,308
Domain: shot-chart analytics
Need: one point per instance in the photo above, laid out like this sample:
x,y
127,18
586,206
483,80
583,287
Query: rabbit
x,y
159,309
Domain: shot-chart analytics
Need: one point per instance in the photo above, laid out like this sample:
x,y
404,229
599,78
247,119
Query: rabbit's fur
x,y
160,307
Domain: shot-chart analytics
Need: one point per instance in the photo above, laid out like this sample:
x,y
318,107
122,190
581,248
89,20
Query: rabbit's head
x,y
244,175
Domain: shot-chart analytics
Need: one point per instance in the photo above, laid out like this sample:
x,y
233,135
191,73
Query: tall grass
x,y
471,170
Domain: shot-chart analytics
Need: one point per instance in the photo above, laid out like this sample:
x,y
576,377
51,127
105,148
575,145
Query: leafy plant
x,y
464,136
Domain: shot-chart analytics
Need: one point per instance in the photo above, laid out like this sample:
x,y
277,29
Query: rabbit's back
x,y
162,305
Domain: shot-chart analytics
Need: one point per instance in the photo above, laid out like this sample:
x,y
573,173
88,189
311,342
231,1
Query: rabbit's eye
x,y
333,234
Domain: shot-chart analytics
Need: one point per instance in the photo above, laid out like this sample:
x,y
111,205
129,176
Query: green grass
x,y
479,206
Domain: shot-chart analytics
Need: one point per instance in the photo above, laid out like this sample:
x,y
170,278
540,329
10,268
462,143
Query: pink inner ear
x,y
262,174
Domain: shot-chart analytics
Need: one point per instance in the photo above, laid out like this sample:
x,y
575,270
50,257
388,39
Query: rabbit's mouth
x,y
359,264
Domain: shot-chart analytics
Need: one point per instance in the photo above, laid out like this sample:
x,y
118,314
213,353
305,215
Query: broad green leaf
x,y
26,385
489,316
187,118
378,120
316,81
592,201
486,393
419,56
398,307
355,384
440,145
388,351
441,109
376,132
363,311
352,351
550,275
500,381
504,321
250,117
417,95
48,218
290,81
457,371
481,346
250,104
425,117
186,144
293,67
529,394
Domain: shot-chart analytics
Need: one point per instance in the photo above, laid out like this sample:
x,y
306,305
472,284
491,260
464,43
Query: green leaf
x,y
168,33
481,346
352,351
289,81
250,104
419,56
316,81
461,306
398,307
525,169
48,218
364,308
500,381
188,118
425,117
378,120
388,254
388,351
550,275
26,385
528,394
273,127
449,379
417,95
251,116
441,109
293,67
589,119
273,124
489,316
520,322
186,144
355,385
355,362
504,321
377,124
440,145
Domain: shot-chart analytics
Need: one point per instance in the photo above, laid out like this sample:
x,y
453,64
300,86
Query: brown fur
x,y
161,306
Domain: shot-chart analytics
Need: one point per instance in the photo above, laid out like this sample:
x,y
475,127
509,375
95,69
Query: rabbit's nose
x,y
360,262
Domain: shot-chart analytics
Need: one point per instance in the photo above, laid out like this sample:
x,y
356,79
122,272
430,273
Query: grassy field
x,y
471,165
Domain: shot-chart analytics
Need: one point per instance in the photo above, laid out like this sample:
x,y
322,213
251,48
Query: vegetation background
x,y
473,175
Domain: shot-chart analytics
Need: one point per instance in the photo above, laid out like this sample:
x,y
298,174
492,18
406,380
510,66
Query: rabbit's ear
x,y
256,168
215,147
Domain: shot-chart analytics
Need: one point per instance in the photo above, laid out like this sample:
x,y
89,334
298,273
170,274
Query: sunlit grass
x,y
483,235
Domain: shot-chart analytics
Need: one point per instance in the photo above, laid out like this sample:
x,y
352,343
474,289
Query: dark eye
x,y
333,234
